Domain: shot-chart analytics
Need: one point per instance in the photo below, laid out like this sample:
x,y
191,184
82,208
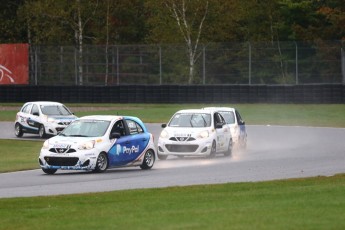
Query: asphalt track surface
x,y
273,152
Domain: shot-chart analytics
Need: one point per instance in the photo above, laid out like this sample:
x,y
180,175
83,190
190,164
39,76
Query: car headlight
x,y
45,144
87,145
164,134
204,134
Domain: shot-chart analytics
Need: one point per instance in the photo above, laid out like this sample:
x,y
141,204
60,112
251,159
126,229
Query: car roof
x,y
44,102
220,109
101,117
194,111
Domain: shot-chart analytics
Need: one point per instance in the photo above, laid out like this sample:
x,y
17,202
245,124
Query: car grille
x,y
61,161
182,148
64,122
62,150
182,138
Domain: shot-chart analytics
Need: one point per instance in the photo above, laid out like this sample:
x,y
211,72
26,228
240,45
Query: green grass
x,y
19,155
330,115
312,203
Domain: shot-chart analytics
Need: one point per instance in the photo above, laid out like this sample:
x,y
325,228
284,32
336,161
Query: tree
x,y
51,21
186,16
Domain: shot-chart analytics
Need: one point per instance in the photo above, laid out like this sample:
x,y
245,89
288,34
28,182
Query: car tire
x,y
18,131
149,159
42,131
101,163
49,171
162,157
213,150
229,151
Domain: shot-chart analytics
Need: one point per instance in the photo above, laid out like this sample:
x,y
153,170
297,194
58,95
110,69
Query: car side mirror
x,y
219,125
164,125
36,114
242,122
115,135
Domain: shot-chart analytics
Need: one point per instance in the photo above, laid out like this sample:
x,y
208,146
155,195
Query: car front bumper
x,y
68,161
184,148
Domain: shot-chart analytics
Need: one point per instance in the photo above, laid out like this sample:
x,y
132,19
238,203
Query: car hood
x,y
63,117
183,131
71,140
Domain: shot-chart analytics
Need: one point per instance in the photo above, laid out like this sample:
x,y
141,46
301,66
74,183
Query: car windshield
x,y
86,128
191,120
228,116
54,110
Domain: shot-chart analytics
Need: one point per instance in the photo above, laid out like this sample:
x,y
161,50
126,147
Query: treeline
x,y
101,22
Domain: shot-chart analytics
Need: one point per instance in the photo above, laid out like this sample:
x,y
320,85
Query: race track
x,y
273,152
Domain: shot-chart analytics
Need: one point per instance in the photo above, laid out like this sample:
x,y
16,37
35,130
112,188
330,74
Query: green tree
x,y
187,20
11,30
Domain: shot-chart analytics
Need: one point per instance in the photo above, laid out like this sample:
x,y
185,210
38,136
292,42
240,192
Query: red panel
x,y
14,62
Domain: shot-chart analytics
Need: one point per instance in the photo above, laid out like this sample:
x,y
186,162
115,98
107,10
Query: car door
x,y
24,115
128,147
33,117
241,125
221,128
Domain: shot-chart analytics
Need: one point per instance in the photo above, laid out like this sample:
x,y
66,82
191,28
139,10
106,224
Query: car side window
x,y
26,109
134,128
239,119
34,109
119,128
217,119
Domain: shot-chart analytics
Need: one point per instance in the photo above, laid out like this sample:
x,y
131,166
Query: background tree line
x,y
150,21
189,22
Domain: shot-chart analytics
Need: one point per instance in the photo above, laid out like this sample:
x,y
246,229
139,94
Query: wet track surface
x,y
273,152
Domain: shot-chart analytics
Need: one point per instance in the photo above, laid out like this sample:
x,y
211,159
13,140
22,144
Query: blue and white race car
x,y
45,118
96,143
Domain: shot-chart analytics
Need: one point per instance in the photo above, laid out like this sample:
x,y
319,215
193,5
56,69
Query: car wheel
x,y
102,163
162,157
49,171
213,150
42,131
18,131
229,151
149,160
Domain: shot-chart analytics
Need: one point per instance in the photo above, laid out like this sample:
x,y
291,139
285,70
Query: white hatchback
x,y
195,132
42,118
237,125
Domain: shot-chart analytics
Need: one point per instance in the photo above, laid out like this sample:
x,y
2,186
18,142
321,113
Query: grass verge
x,y
310,203
19,155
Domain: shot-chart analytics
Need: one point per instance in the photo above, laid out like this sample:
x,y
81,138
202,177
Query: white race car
x,y
235,122
95,143
195,132
42,118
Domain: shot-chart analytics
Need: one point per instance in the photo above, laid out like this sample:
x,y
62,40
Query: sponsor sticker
x,y
60,146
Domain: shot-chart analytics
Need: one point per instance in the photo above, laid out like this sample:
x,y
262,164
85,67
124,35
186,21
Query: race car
x,y
96,143
237,125
195,132
43,118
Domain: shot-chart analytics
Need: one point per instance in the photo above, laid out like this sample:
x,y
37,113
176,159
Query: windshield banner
x,y
14,62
